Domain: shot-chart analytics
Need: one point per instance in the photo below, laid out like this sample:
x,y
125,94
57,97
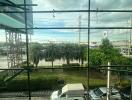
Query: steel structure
x,y
14,37
14,48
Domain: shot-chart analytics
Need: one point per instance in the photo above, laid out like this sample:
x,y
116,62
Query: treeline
x,y
69,51
5,46
52,52
107,53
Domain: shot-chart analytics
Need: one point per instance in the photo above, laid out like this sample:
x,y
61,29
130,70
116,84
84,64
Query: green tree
x,y
82,53
109,51
52,52
68,52
71,51
36,53
96,57
113,55
106,46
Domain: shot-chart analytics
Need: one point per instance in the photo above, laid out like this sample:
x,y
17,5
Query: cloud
x,y
108,4
59,4
67,4
71,19
126,4
111,4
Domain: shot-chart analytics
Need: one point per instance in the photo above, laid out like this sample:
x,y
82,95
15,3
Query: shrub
x,y
49,83
71,65
24,65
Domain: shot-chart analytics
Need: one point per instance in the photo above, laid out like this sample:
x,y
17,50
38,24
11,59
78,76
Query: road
x,y
39,95
25,98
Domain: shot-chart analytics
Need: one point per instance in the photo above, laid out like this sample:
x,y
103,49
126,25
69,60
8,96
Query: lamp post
x,y
108,82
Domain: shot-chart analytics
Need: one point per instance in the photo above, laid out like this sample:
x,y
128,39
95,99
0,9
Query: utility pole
x,y
79,32
130,38
129,56
126,50
108,82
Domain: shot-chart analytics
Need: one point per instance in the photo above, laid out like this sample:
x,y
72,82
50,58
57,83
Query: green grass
x,y
48,79
67,76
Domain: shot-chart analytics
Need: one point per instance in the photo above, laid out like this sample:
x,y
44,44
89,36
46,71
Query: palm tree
x,y
51,53
68,52
36,53
82,53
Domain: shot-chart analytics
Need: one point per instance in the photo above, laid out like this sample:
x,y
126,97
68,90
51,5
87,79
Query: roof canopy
x,y
15,20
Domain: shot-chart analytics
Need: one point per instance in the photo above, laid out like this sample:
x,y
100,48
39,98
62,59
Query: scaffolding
x,y
14,48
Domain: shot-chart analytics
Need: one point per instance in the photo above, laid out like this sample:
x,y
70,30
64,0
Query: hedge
x,y
35,84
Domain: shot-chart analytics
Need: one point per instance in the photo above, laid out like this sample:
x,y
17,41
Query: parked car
x,y
69,92
101,94
125,93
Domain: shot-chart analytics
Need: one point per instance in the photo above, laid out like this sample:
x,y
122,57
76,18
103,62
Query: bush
x,y
24,65
3,75
74,69
71,65
49,83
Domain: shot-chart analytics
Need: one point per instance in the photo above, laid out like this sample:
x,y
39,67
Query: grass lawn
x,y
48,79
67,76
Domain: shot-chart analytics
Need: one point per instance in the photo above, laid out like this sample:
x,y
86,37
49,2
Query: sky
x,y
60,20
72,20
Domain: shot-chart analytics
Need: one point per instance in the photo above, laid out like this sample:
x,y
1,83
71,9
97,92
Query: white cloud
x,y
97,19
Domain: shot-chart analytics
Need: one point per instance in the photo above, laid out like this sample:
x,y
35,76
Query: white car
x,y
101,93
69,92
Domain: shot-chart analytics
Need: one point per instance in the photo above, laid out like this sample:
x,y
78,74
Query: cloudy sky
x,y
72,19
60,20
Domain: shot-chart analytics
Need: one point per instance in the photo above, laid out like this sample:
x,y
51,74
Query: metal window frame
x,y
89,11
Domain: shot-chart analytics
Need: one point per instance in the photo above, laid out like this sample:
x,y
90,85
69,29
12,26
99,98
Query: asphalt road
x,y
25,98
39,95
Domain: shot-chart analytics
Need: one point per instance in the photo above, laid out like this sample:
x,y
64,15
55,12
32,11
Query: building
x,y
15,20
8,21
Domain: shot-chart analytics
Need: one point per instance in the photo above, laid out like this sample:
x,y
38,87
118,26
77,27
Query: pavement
x,y
39,95
26,98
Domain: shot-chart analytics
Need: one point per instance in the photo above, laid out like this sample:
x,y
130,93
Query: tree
x,y
106,46
36,53
82,53
96,57
71,51
75,50
113,55
51,52
109,51
68,53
